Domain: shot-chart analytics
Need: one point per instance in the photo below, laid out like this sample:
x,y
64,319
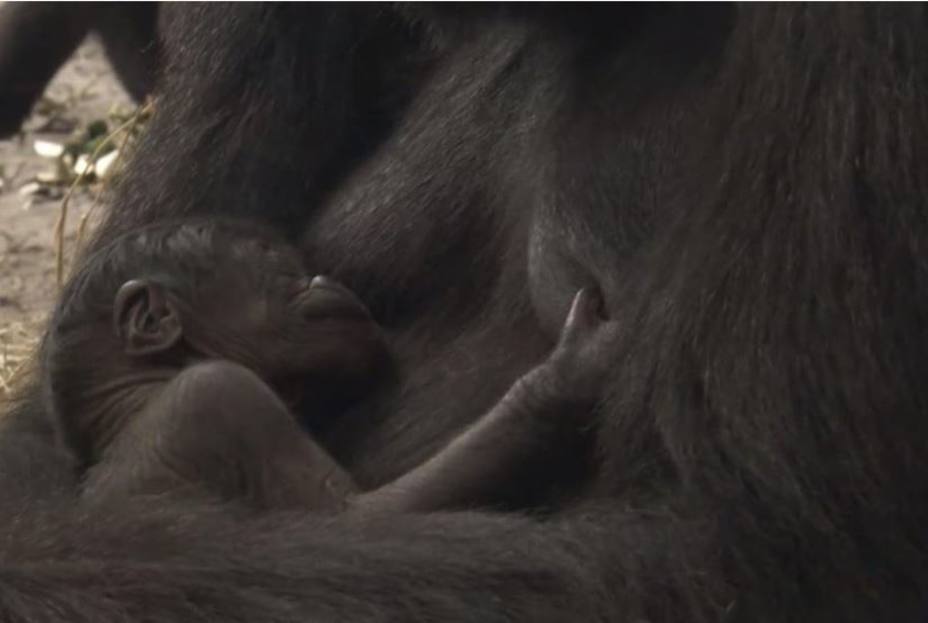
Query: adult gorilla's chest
x,y
432,231
507,186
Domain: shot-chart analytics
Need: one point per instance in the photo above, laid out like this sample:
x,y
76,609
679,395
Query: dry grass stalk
x,y
128,127
17,346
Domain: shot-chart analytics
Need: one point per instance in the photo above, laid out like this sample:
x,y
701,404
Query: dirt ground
x,y
83,91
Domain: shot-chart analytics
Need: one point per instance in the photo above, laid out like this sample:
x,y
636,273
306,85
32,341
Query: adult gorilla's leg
x,y
141,561
129,32
35,40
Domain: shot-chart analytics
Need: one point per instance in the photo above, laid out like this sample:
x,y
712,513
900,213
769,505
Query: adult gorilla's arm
x,y
142,563
35,40
262,108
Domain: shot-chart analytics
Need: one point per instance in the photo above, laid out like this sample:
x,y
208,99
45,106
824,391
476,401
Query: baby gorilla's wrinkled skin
x,y
187,394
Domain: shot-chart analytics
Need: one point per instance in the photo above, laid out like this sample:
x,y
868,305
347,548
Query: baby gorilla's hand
x,y
586,350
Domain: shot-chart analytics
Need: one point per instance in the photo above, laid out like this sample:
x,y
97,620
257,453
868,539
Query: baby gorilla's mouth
x,y
326,298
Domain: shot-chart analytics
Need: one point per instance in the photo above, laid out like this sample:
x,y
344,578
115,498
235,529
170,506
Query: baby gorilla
x,y
170,352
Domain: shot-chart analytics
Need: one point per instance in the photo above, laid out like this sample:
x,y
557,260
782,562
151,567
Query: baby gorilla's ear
x,y
145,318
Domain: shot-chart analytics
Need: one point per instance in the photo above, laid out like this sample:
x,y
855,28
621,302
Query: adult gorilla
x,y
745,183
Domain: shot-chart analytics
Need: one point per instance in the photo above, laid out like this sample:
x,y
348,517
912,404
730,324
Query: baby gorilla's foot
x,y
586,349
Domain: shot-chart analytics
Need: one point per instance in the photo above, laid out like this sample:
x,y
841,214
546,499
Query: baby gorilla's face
x,y
274,318
333,332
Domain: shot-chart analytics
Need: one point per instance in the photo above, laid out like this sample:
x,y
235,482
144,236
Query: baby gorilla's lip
x,y
326,298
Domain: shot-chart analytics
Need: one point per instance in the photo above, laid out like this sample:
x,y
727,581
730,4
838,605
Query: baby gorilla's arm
x,y
218,427
514,441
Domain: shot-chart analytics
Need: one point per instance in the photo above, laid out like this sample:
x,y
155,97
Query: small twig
x,y
17,350
13,174
10,381
9,239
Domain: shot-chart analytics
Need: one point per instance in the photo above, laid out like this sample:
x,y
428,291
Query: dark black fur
x,y
747,186
36,38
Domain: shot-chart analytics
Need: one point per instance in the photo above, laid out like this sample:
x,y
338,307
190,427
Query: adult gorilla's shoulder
x,y
744,183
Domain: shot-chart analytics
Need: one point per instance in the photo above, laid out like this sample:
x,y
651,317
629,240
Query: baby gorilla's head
x,y
174,293
245,296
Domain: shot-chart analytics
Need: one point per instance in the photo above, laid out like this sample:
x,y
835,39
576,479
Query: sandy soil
x,y
84,90
87,89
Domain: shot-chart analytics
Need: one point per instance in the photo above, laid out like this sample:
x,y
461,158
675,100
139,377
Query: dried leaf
x,y
83,165
48,149
104,164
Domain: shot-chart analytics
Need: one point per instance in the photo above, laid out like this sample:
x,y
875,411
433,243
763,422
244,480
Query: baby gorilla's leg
x,y
526,436
219,429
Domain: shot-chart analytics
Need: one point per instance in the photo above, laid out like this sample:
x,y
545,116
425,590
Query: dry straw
x,y
17,344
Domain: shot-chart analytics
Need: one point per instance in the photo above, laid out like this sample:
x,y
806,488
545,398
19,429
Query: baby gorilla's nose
x,y
328,298
321,281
